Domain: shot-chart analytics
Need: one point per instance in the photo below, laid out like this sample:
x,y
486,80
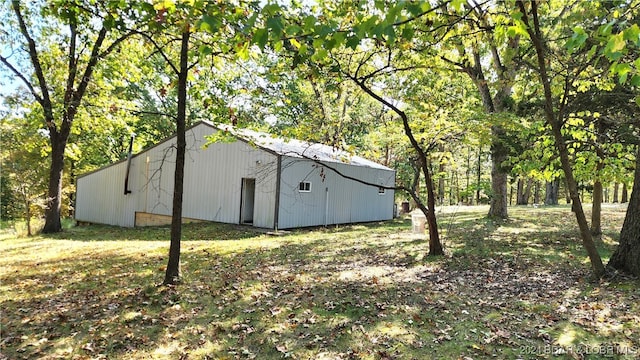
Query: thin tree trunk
x,y
627,256
596,205
27,213
441,183
596,210
435,247
615,192
536,193
479,173
625,194
468,176
520,193
173,274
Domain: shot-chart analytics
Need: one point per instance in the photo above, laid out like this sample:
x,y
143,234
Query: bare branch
x,y
45,99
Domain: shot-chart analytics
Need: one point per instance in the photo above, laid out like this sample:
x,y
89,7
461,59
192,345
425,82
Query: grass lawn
x,y
513,289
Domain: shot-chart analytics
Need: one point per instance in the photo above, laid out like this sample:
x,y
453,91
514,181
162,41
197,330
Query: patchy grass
x,y
519,288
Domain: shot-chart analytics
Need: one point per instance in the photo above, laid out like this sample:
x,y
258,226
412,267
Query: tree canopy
x,y
467,100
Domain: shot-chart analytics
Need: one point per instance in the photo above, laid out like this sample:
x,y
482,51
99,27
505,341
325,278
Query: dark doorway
x,y
248,200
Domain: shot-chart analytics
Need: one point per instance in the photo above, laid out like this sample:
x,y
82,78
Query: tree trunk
x,y
27,213
615,192
519,191
172,274
441,186
524,191
596,209
527,191
556,126
596,205
468,176
479,175
435,246
625,195
552,192
54,194
498,208
627,256
536,193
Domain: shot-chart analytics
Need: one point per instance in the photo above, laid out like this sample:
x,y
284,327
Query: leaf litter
x,y
354,292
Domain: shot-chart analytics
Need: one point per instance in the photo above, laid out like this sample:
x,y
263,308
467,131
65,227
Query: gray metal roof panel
x,y
300,149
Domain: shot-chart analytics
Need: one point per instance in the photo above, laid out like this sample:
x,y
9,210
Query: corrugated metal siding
x,y
213,180
348,200
212,187
101,199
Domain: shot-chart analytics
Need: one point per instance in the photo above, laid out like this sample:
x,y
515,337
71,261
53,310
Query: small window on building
x,y
381,191
304,186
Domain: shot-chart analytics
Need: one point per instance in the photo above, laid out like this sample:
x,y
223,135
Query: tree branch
x,y
44,100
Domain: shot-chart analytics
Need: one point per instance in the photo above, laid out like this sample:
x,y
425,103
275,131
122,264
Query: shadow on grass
x,y
358,291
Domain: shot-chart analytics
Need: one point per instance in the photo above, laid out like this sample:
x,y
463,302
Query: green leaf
x,y
210,23
614,46
205,50
275,24
518,29
407,33
260,37
635,80
353,42
577,40
605,29
632,34
278,46
309,22
271,9
391,35
623,71
319,55
293,30
339,37
457,4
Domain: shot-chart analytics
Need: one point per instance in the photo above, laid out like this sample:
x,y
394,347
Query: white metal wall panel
x,y
213,180
101,199
213,187
333,199
212,183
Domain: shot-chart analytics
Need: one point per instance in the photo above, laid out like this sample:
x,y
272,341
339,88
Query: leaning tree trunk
x,y
172,274
435,246
627,256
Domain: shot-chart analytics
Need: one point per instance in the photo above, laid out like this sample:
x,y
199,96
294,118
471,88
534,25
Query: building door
x,y
248,200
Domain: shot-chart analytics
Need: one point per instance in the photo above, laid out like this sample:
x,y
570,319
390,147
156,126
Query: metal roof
x,y
297,148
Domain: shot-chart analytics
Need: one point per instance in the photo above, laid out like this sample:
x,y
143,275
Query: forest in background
x,y
471,102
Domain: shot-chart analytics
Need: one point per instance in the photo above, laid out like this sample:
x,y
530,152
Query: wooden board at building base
x,y
148,219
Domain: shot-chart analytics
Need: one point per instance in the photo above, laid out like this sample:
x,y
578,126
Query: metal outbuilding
x,y
255,179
